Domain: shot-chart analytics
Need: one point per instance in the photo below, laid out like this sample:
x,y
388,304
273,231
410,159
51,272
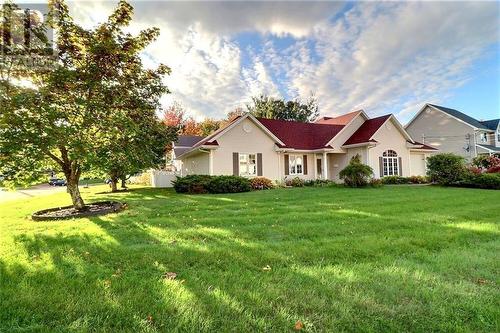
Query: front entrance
x,y
319,168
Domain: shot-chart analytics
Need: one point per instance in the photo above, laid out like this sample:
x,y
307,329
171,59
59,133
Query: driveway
x,y
34,191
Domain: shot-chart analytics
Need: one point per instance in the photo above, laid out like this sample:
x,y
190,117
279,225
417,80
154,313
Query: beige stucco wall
x,y
443,132
346,133
196,164
389,137
240,141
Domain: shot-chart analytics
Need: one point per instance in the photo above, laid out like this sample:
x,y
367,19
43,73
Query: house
x,y
452,131
278,149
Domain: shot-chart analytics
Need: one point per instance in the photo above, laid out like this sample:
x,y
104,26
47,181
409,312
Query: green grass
x,y
395,259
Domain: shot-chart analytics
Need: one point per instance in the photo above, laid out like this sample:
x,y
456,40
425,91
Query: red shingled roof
x,y
424,146
301,135
340,120
367,130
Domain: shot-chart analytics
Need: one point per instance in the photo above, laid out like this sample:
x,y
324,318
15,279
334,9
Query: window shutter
x,y
259,164
400,165
287,165
381,166
304,158
236,164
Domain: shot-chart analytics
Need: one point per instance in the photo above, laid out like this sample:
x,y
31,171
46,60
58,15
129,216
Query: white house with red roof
x,y
278,149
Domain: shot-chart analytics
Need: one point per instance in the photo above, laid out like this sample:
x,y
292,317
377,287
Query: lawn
x,y
391,259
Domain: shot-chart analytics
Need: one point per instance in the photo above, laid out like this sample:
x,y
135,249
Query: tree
x,y
273,108
80,109
209,125
174,115
356,174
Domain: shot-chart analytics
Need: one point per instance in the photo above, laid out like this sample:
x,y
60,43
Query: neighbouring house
x,y
452,131
278,149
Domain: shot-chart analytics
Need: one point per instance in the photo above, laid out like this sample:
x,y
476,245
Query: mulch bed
x,y
68,212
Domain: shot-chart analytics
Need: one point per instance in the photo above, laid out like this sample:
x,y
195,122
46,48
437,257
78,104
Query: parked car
x,y
57,182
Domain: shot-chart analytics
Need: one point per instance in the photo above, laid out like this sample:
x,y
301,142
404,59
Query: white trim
x,y
355,145
256,164
290,165
202,148
348,124
488,149
292,150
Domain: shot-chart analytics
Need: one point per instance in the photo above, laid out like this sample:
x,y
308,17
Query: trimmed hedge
x,y
484,180
393,180
198,184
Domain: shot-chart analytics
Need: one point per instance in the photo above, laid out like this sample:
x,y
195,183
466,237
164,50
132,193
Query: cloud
x,y
384,57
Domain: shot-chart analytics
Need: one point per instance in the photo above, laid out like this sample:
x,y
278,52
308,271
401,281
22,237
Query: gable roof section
x,y
340,120
461,116
187,140
365,132
491,124
298,135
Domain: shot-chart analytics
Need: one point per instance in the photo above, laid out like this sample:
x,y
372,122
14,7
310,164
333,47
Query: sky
x,y
383,57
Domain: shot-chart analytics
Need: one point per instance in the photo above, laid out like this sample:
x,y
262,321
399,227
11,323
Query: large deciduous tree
x,y
274,108
94,109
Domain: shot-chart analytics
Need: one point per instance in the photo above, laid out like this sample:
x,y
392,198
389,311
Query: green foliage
x,y
393,180
446,168
295,182
94,110
319,182
228,184
356,174
484,180
273,108
261,183
197,184
376,182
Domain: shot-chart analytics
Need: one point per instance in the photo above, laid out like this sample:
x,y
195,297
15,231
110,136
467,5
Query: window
x,y
248,165
390,163
483,137
498,136
296,165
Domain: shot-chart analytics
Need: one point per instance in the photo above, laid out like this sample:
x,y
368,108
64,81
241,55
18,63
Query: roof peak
x,y
461,116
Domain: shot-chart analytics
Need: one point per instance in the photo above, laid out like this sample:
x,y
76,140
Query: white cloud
x,y
384,57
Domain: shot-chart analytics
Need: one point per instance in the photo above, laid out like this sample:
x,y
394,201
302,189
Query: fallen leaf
x,y
298,325
170,275
266,268
482,281
149,318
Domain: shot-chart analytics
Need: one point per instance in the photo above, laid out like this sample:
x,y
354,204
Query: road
x,y
34,191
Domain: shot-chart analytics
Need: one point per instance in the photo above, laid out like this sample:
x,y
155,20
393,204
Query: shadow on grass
x,y
332,266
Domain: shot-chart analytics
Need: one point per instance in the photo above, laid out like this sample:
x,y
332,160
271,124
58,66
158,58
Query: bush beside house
x,y
198,184
450,170
356,174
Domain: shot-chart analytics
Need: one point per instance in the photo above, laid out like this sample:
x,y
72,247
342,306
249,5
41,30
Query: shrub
x,y
228,184
486,163
391,180
261,183
356,174
418,179
445,169
295,182
374,182
319,182
192,184
483,180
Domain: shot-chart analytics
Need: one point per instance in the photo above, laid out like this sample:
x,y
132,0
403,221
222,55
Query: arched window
x,y
390,163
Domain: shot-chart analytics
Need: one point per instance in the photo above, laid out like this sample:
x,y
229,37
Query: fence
x,y
160,178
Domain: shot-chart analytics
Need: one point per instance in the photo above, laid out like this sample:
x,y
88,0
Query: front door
x,y
319,167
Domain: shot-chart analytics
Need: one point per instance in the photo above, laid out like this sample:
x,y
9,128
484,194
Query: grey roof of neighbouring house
x,y
187,140
462,116
491,124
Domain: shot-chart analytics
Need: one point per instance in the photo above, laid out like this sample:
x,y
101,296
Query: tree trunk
x,y
124,180
74,191
114,182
